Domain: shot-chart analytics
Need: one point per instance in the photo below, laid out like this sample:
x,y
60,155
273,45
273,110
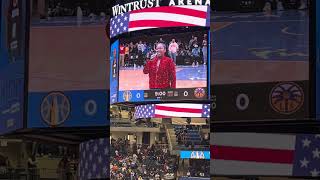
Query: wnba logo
x,y
199,93
127,95
197,155
286,98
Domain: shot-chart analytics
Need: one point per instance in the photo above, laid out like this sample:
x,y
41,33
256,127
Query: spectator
x,y
173,50
191,41
32,167
62,166
195,54
205,49
162,41
127,54
122,54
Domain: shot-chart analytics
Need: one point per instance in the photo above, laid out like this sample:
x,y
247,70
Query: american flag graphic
x,y
160,17
94,159
172,110
265,154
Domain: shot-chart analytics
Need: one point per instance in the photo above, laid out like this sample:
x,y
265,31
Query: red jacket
x,y
165,77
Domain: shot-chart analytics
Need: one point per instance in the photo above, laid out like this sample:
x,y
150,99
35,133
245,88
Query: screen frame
x,y
26,122
311,91
181,30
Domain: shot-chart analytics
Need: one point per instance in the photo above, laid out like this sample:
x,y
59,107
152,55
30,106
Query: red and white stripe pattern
x,y
178,110
160,17
172,110
252,154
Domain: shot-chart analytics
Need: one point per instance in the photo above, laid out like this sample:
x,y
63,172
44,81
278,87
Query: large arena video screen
x,y
166,60
68,64
260,63
12,64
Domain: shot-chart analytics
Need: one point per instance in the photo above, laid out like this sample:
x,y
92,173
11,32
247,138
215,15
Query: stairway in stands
x,y
172,139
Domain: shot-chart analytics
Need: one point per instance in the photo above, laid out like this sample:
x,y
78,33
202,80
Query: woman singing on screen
x,y
161,70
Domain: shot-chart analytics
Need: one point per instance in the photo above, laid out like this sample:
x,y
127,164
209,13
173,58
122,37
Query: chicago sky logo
x,y
286,98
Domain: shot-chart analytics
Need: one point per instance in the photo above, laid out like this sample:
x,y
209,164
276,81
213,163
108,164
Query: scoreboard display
x,y
264,74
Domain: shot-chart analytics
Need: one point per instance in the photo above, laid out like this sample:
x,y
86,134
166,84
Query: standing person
x,y
135,55
267,7
114,64
195,54
161,70
173,50
205,49
61,170
7,162
69,168
126,56
145,48
130,115
79,16
279,5
8,165
140,47
122,54
32,167
191,41
303,4
155,45
161,41
73,165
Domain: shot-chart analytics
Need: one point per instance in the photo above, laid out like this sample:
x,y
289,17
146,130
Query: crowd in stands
x,y
195,170
284,4
140,161
68,167
52,150
59,8
182,52
191,135
139,123
117,112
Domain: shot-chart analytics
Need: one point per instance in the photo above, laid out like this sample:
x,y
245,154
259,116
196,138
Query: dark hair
x,y
164,45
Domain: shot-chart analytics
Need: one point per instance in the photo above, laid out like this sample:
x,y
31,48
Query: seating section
x,y
187,136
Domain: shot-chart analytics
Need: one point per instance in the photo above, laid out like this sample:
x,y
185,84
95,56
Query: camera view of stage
x,y
188,50
169,64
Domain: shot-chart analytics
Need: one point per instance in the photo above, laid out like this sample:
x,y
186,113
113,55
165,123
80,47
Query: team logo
x,y
127,95
199,93
197,155
55,109
286,98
